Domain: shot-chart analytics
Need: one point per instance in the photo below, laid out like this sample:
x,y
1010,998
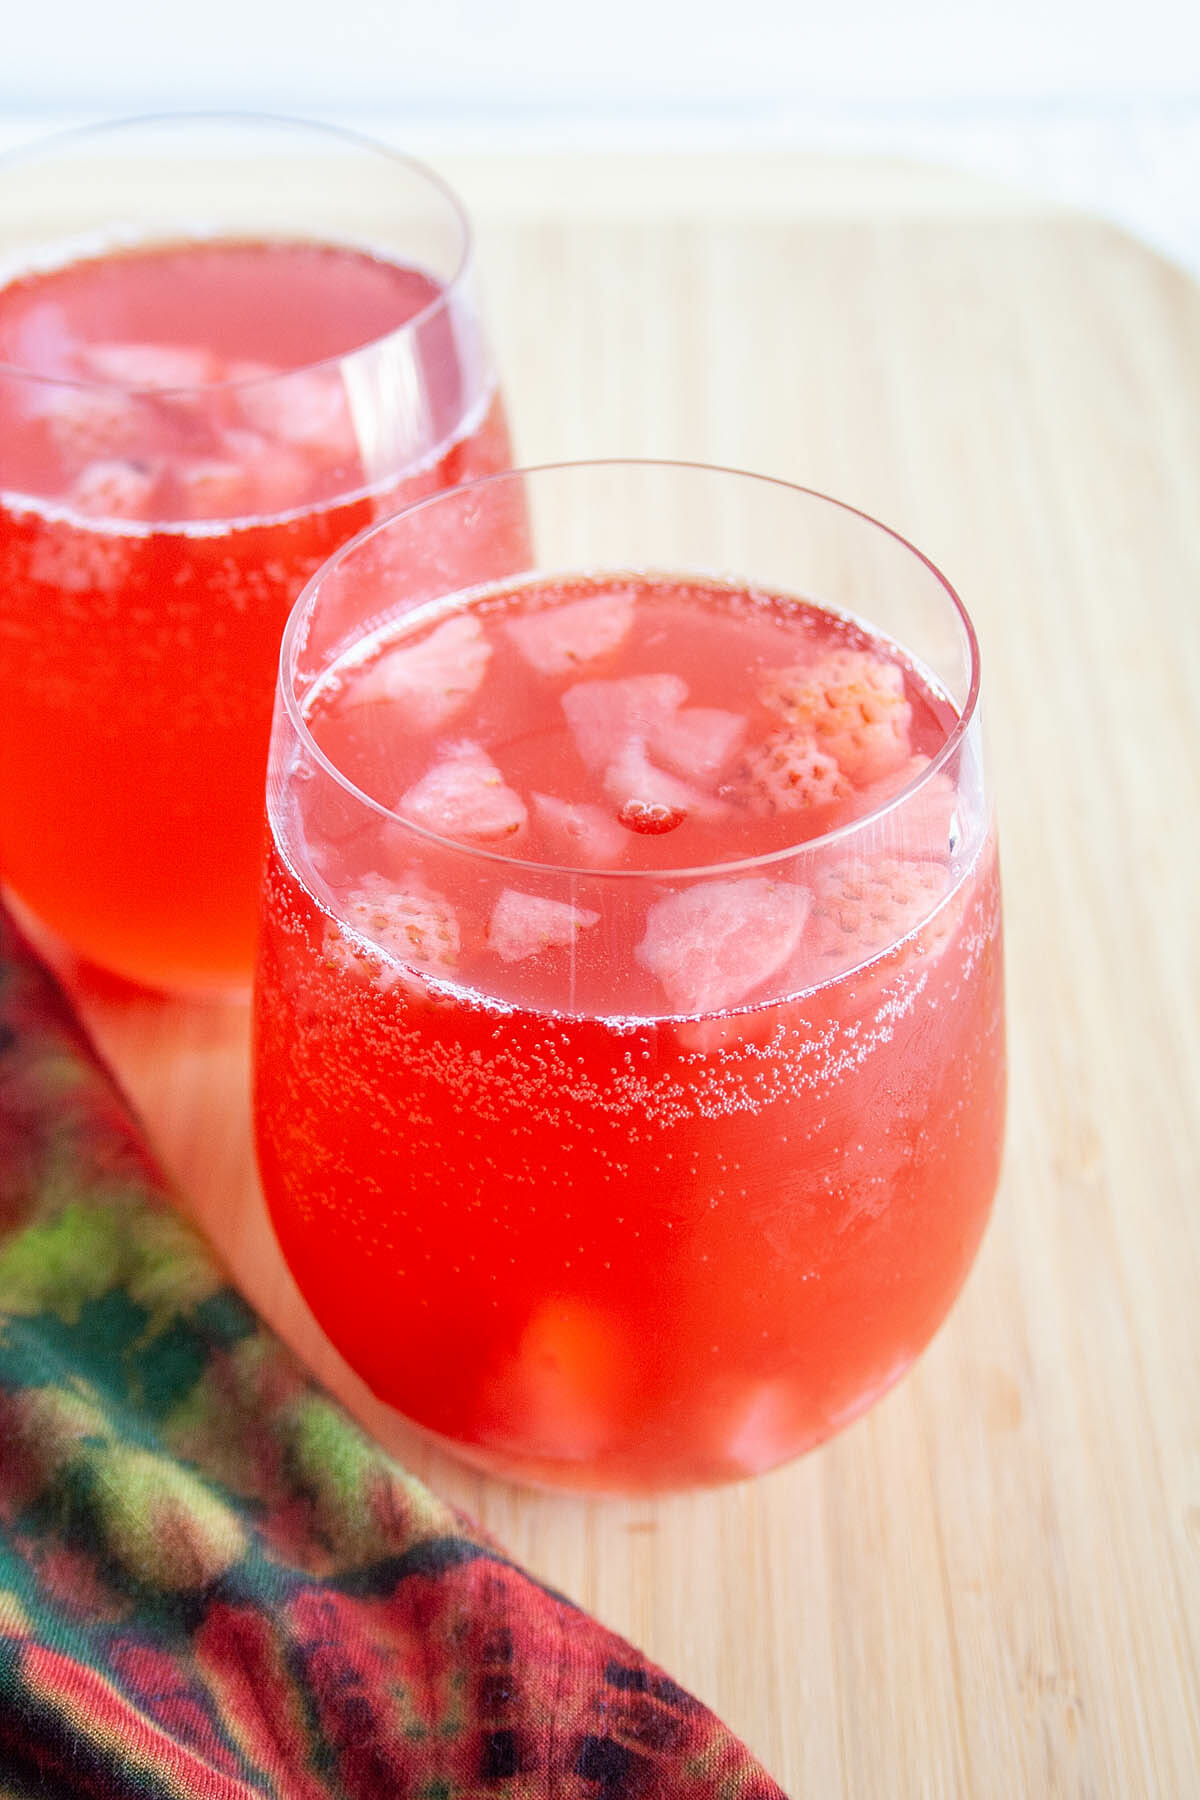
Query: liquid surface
x,y
181,380
156,526
667,1178
280,305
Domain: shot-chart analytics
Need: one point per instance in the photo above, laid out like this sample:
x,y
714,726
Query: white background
x,y
555,54
1093,101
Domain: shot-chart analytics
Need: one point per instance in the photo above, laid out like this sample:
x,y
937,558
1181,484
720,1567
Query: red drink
x,y
180,449
660,1170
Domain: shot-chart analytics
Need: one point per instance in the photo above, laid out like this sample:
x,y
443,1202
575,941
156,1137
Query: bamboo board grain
x,y
991,1585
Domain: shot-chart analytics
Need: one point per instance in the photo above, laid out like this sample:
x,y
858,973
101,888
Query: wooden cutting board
x,y
990,1586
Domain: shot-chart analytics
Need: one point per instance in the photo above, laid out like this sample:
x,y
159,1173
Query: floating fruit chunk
x,y
429,682
409,923
862,908
113,489
524,925
465,796
642,793
650,818
711,946
604,714
853,703
789,772
561,638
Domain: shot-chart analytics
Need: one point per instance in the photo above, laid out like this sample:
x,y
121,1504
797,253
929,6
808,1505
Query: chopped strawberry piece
x,y
561,638
711,946
603,714
789,772
113,490
853,702
861,909
526,924
640,792
430,681
307,409
465,796
926,826
650,818
86,424
410,924
153,368
697,742
581,831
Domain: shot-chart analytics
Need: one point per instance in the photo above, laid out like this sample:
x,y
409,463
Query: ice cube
x,y
526,924
430,681
698,741
465,796
306,409
712,945
604,714
561,638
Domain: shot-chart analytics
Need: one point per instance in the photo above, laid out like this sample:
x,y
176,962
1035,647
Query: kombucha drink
x,y
629,1037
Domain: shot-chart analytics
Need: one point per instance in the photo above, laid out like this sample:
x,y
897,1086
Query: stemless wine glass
x,y
628,1024
226,345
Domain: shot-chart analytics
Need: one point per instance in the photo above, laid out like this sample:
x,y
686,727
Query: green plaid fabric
x,y
212,1584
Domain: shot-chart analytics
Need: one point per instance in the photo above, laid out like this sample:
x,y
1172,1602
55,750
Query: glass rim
x,y
306,601
441,302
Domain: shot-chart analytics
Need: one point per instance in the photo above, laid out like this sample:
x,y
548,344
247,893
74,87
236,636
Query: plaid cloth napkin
x,y
212,1584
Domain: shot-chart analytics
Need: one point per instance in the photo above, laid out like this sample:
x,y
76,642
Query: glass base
x,y
82,975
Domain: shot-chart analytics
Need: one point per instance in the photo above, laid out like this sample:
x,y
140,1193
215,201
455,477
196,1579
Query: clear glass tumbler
x,y
629,1036
226,345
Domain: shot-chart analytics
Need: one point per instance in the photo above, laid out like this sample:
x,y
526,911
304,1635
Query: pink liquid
x,y
629,1183
156,525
